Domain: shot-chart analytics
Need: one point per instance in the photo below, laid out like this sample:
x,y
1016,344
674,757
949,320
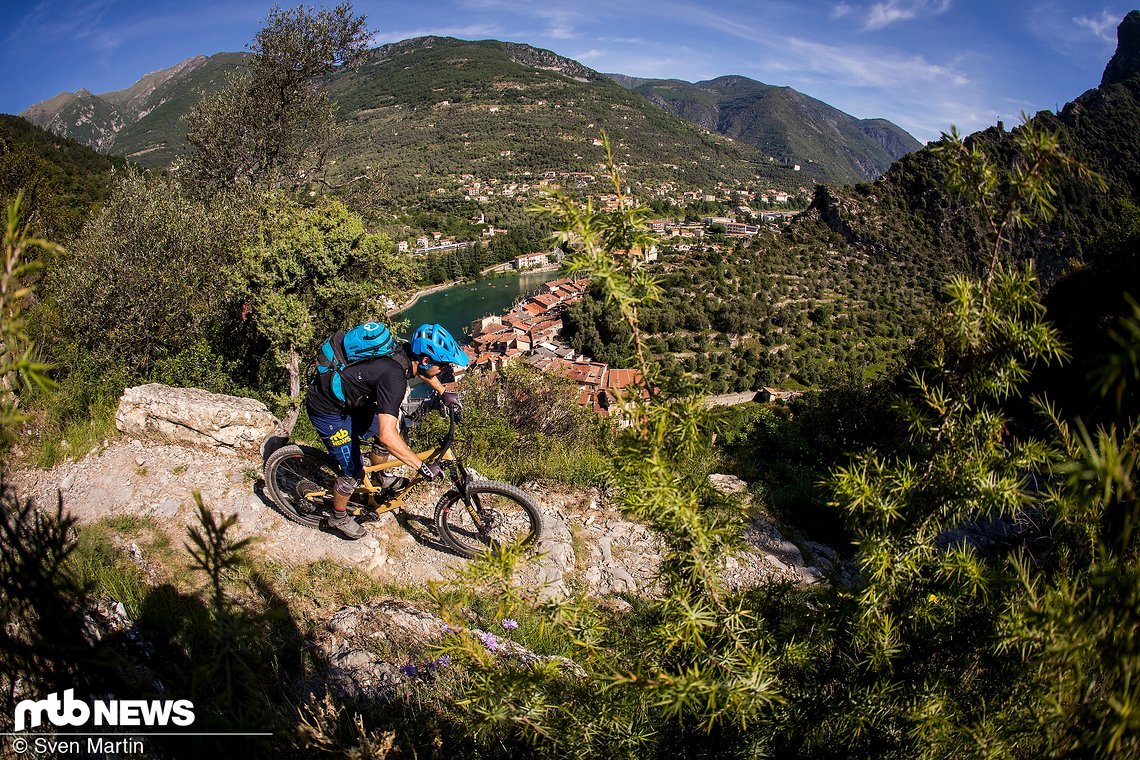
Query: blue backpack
x,y
362,343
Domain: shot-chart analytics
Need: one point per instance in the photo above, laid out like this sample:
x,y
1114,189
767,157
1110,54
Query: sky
x,y
923,64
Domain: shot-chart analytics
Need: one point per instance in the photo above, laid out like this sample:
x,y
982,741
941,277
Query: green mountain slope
x,y
157,137
788,125
142,122
424,111
439,106
62,180
908,214
80,116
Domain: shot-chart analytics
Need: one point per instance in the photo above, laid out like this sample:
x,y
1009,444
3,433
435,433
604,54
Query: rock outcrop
x,y
191,415
1125,64
356,671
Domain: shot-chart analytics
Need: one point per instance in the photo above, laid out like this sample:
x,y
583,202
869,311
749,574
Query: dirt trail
x,y
586,540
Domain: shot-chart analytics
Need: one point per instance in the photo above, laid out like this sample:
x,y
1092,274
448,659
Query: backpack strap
x,y
401,357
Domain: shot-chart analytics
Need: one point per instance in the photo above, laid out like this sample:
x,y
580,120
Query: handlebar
x,y
454,418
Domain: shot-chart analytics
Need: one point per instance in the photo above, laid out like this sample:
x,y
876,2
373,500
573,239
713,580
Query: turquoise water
x,y
458,306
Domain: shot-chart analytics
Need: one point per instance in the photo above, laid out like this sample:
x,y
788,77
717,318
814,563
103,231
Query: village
x,y
773,208
531,332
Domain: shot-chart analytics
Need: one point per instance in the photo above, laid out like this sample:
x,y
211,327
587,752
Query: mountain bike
x,y
473,516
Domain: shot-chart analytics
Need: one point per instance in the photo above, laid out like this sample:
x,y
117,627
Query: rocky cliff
x,y
1126,62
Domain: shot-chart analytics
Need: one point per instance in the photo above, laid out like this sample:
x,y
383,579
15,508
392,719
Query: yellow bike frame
x,y
372,492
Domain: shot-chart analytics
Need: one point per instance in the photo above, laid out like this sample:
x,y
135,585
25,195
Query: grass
x,y
285,606
57,440
545,458
580,547
100,564
325,584
304,432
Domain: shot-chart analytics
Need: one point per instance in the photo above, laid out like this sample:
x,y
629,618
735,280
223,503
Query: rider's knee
x,y
345,485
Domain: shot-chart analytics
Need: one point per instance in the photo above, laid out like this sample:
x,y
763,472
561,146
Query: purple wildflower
x,y
409,670
443,661
490,642
510,624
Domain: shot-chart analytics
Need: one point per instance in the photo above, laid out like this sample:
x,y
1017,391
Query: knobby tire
x,y
285,469
508,514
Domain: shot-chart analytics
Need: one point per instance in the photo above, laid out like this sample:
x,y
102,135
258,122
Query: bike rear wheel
x,y
299,480
494,515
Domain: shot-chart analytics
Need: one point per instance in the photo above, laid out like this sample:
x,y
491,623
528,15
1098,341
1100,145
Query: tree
x,y
145,278
698,675
998,613
42,645
271,126
311,270
996,610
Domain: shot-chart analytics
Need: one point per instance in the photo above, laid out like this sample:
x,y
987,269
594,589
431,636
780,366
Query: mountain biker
x,y
374,390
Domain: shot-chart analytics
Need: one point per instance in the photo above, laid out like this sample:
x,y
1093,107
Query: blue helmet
x,y
437,344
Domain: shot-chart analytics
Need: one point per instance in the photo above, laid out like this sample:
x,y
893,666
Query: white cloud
x,y
916,93
1077,38
560,18
885,13
625,40
867,67
1104,26
63,20
725,24
841,10
561,25
590,55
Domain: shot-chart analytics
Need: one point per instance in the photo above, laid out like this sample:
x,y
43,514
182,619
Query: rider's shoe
x,y
346,524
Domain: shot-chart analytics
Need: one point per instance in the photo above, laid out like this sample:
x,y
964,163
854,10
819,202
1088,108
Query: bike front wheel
x,y
493,515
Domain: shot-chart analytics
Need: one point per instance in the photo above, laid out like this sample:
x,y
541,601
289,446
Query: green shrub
x,y
523,425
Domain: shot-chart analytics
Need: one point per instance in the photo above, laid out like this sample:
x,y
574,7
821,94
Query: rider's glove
x,y
430,471
451,401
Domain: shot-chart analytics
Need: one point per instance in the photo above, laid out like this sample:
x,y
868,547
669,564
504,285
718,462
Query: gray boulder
x,y
192,415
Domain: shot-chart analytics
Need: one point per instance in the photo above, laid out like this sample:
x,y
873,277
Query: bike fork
x,y
460,480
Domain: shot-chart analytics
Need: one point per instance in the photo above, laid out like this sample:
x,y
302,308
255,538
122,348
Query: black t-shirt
x,y
373,387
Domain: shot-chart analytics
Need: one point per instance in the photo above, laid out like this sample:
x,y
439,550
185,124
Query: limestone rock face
x,y
1126,62
194,416
356,672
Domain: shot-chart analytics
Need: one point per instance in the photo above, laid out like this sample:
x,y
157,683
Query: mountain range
x,y
782,122
434,106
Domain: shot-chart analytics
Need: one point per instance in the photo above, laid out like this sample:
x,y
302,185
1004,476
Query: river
x,y
458,306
